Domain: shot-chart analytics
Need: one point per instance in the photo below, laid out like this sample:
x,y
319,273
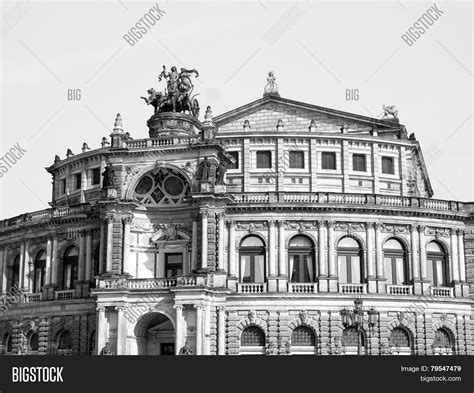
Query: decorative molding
x,y
438,232
252,226
394,228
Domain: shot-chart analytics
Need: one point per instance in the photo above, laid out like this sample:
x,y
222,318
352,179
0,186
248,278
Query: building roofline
x,y
272,98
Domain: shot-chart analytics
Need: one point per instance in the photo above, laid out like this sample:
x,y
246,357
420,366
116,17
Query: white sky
x,y
50,47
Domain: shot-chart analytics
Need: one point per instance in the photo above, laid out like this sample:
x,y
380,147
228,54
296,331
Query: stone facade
x,y
259,260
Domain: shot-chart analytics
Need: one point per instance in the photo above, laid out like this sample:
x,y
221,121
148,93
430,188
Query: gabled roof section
x,y
263,115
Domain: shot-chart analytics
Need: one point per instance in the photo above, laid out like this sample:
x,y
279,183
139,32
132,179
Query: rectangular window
x,y
62,187
174,265
358,163
235,156
296,160
328,160
77,181
95,176
264,159
388,165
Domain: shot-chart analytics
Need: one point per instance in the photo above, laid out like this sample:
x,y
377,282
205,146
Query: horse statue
x,y
155,99
178,96
389,111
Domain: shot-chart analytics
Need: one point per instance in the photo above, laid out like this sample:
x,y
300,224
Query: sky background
x,y
316,49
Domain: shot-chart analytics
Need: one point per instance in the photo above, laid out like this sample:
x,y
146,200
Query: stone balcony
x,y
118,283
45,215
333,198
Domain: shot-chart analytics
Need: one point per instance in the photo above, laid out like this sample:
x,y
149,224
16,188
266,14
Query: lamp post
x,y
355,317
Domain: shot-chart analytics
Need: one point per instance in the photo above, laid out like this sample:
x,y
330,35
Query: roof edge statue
x,y
177,101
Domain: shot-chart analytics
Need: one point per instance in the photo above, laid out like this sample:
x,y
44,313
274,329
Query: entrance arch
x,y
154,335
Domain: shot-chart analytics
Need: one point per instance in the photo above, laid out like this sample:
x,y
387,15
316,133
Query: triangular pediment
x,y
264,115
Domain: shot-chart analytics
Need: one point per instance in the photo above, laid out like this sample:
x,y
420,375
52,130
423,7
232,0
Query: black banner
x,y
335,373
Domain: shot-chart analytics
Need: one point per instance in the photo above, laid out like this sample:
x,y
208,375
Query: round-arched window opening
x,y
399,338
162,186
350,263
64,343
33,342
303,336
436,265
70,267
252,260
350,340
39,272
301,261
8,343
395,262
252,336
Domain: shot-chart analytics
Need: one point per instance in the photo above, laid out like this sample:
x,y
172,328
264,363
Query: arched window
x,y
162,186
252,336
350,264
399,341
350,341
39,271
15,276
33,342
443,342
436,265
301,259
303,336
252,259
395,262
64,343
8,343
70,267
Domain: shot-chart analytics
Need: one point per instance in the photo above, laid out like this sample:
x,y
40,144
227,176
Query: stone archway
x,y
154,334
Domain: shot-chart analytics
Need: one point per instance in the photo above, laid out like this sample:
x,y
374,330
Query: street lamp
x,y
355,317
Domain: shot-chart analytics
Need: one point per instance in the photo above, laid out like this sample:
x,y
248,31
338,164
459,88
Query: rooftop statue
x,y
177,97
389,112
271,87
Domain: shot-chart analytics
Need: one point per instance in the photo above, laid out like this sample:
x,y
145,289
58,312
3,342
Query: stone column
x,y
126,244
204,216
454,268
322,240
422,250
371,274
3,267
101,329
179,336
272,265
462,259
199,329
221,250
221,331
282,266
232,252
332,258
26,268
101,247
194,244
415,262
206,350
121,331
54,261
82,251
88,276
379,258
110,230
49,252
